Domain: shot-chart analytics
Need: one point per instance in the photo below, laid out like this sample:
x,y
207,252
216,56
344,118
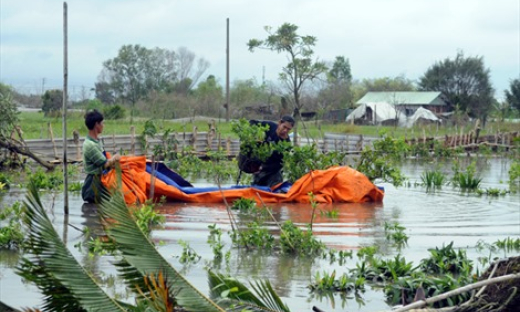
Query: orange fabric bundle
x,y
336,184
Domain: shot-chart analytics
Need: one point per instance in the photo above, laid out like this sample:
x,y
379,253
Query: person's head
x,y
93,118
285,125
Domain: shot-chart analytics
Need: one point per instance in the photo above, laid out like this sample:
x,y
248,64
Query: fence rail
x,y
199,142
203,142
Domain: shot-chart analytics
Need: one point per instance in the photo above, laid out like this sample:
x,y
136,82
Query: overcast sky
x,y
381,38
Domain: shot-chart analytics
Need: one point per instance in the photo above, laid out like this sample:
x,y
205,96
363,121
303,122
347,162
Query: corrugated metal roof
x,y
404,98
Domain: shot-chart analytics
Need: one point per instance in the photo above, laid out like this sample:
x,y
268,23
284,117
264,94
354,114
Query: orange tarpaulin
x,y
336,184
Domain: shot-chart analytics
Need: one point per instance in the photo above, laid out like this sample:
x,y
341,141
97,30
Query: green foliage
x,y
114,112
47,180
9,114
381,161
344,283
395,232
5,183
255,235
52,102
244,204
299,49
11,234
434,178
75,186
146,217
510,244
404,289
513,94
446,260
188,255
215,241
294,240
259,297
251,138
300,160
468,180
514,173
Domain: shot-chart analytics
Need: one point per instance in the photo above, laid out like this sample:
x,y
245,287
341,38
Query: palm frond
x,y
50,259
261,296
142,257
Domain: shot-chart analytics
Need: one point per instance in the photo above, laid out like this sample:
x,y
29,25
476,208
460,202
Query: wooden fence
x,y
199,143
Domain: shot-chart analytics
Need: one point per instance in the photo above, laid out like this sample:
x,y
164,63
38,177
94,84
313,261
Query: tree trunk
x,y
16,148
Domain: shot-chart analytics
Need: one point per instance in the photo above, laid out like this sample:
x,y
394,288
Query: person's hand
x,y
111,162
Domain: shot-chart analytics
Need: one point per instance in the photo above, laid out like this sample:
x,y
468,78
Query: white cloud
x,y
380,37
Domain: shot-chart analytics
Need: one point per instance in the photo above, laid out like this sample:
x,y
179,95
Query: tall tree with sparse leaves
x,y
301,67
464,81
513,95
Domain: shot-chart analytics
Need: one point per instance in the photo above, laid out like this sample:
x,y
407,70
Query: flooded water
x,y
431,219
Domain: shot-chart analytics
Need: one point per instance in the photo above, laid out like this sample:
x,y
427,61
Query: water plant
x,y
11,234
294,240
395,232
433,178
508,243
255,235
188,255
215,241
446,260
344,283
244,204
380,162
147,217
467,180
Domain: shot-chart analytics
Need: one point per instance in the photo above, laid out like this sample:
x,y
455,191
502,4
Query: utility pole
x,y
227,69
65,92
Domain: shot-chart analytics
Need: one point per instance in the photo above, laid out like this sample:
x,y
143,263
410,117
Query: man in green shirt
x,y
94,158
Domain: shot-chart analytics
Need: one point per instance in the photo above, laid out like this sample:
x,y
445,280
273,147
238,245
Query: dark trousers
x,y
92,189
268,178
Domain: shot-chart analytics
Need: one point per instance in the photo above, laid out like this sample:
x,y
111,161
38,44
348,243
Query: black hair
x,y
288,119
93,117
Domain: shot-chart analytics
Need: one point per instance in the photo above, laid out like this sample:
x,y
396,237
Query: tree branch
x,y
8,144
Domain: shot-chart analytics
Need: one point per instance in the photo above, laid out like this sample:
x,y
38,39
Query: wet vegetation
x,y
400,280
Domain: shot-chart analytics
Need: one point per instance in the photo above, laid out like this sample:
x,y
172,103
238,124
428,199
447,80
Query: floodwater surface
x,y
430,219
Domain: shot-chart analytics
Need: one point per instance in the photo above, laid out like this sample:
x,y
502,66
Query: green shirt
x,y
93,157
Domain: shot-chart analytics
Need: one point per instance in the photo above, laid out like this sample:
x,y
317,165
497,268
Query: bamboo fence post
x,y
114,143
75,135
194,139
325,145
132,140
52,140
228,146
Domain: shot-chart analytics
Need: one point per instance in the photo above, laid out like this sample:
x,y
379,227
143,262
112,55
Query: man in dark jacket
x,y
270,172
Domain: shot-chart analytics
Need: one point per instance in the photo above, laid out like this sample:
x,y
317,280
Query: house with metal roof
x,y
409,102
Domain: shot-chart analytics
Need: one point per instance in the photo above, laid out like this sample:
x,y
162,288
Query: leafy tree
x,y
301,68
104,92
52,101
464,81
248,93
337,91
137,71
8,112
513,95
209,96
340,70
